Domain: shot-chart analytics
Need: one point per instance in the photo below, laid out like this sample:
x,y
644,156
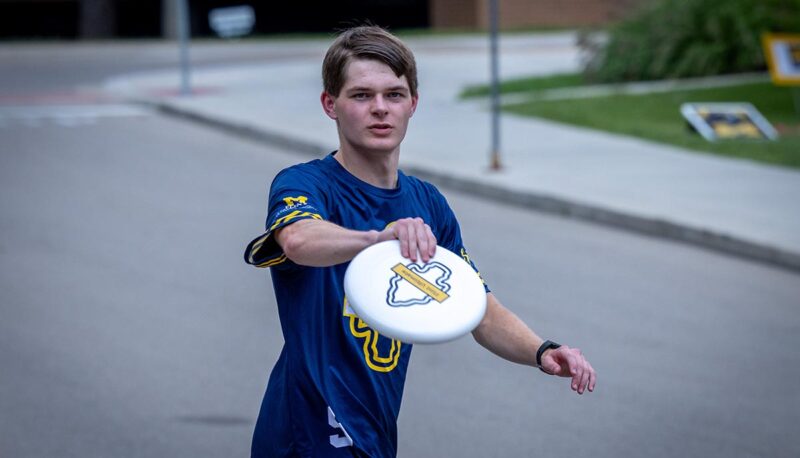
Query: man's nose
x,y
379,106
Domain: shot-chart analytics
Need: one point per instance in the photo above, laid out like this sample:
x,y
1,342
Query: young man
x,y
336,388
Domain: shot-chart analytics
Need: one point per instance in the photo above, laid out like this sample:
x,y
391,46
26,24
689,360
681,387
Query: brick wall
x,y
525,13
450,14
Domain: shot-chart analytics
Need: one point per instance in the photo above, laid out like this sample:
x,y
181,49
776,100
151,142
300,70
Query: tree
x,y
686,38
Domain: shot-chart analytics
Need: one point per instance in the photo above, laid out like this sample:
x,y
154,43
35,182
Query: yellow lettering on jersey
x,y
376,362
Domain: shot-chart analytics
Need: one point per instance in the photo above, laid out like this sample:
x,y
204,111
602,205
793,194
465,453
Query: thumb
x,y
386,234
552,368
550,365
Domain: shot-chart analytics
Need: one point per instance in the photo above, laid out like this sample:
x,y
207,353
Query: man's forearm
x,y
321,243
505,335
318,243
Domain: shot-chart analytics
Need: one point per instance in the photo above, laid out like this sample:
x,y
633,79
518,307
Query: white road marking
x,y
65,115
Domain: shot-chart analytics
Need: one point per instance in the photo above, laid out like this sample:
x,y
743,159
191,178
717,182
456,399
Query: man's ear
x,y
328,104
414,102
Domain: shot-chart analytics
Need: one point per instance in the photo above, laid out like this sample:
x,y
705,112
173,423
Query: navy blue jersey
x,y
337,385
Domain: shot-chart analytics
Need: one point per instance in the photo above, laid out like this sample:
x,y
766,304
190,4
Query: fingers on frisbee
x,y
421,238
416,238
412,242
402,236
431,240
427,242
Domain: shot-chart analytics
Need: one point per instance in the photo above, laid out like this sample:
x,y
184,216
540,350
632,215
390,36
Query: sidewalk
x,y
738,207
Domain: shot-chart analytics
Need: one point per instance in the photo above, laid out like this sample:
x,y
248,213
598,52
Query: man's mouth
x,y
380,128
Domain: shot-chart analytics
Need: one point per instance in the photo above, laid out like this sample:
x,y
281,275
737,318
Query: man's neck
x,y
377,169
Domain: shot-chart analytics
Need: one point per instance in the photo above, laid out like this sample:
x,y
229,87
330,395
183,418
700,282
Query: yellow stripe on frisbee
x,y
420,283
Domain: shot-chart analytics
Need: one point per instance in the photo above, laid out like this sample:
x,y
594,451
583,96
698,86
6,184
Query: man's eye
x,y
395,95
360,95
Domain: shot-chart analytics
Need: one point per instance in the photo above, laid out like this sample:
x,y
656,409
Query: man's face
x,y
373,108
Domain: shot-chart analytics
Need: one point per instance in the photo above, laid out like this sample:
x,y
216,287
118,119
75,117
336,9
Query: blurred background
x,y
135,162
151,18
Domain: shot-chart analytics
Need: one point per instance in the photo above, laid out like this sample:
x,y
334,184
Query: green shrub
x,y
685,38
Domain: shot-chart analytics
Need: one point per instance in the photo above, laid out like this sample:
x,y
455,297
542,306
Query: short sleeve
x,y
293,196
449,234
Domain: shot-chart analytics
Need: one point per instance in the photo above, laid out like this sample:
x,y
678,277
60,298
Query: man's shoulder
x,y
313,170
421,186
314,166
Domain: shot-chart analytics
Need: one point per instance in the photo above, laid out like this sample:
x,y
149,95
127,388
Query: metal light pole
x,y
495,85
183,38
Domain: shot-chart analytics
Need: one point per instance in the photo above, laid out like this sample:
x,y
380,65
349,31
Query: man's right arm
x,y
318,243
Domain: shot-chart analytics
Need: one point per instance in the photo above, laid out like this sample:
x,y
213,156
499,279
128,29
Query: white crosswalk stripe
x,y
34,116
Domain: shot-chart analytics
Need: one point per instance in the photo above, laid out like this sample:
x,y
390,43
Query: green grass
x,y
657,116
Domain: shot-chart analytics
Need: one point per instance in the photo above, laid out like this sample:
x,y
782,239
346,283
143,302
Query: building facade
x,y
155,18
520,14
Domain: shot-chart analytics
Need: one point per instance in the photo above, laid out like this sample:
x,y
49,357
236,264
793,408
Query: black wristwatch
x,y
548,344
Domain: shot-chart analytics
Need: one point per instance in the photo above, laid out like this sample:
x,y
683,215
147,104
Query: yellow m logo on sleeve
x,y
293,201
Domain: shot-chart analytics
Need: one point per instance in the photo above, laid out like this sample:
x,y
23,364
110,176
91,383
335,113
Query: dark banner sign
x,y
728,121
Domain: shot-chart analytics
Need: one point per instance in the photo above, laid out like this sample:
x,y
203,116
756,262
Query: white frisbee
x,y
414,302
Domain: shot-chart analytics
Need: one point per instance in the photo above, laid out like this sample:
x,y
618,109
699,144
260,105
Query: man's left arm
x,y
505,335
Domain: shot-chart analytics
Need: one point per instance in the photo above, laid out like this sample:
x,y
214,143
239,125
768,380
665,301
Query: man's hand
x,y
569,362
414,236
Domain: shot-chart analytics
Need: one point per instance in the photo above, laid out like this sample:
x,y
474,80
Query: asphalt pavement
x,y
735,206
131,327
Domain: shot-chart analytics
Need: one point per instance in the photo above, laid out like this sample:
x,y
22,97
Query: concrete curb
x,y
635,88
675,231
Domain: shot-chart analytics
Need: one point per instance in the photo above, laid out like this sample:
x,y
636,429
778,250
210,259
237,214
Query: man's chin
x,y
381,147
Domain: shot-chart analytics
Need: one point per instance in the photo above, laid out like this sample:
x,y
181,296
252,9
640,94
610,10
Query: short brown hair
x,y
371,43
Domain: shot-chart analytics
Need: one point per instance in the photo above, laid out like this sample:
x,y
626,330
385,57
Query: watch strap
x,y
547,345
